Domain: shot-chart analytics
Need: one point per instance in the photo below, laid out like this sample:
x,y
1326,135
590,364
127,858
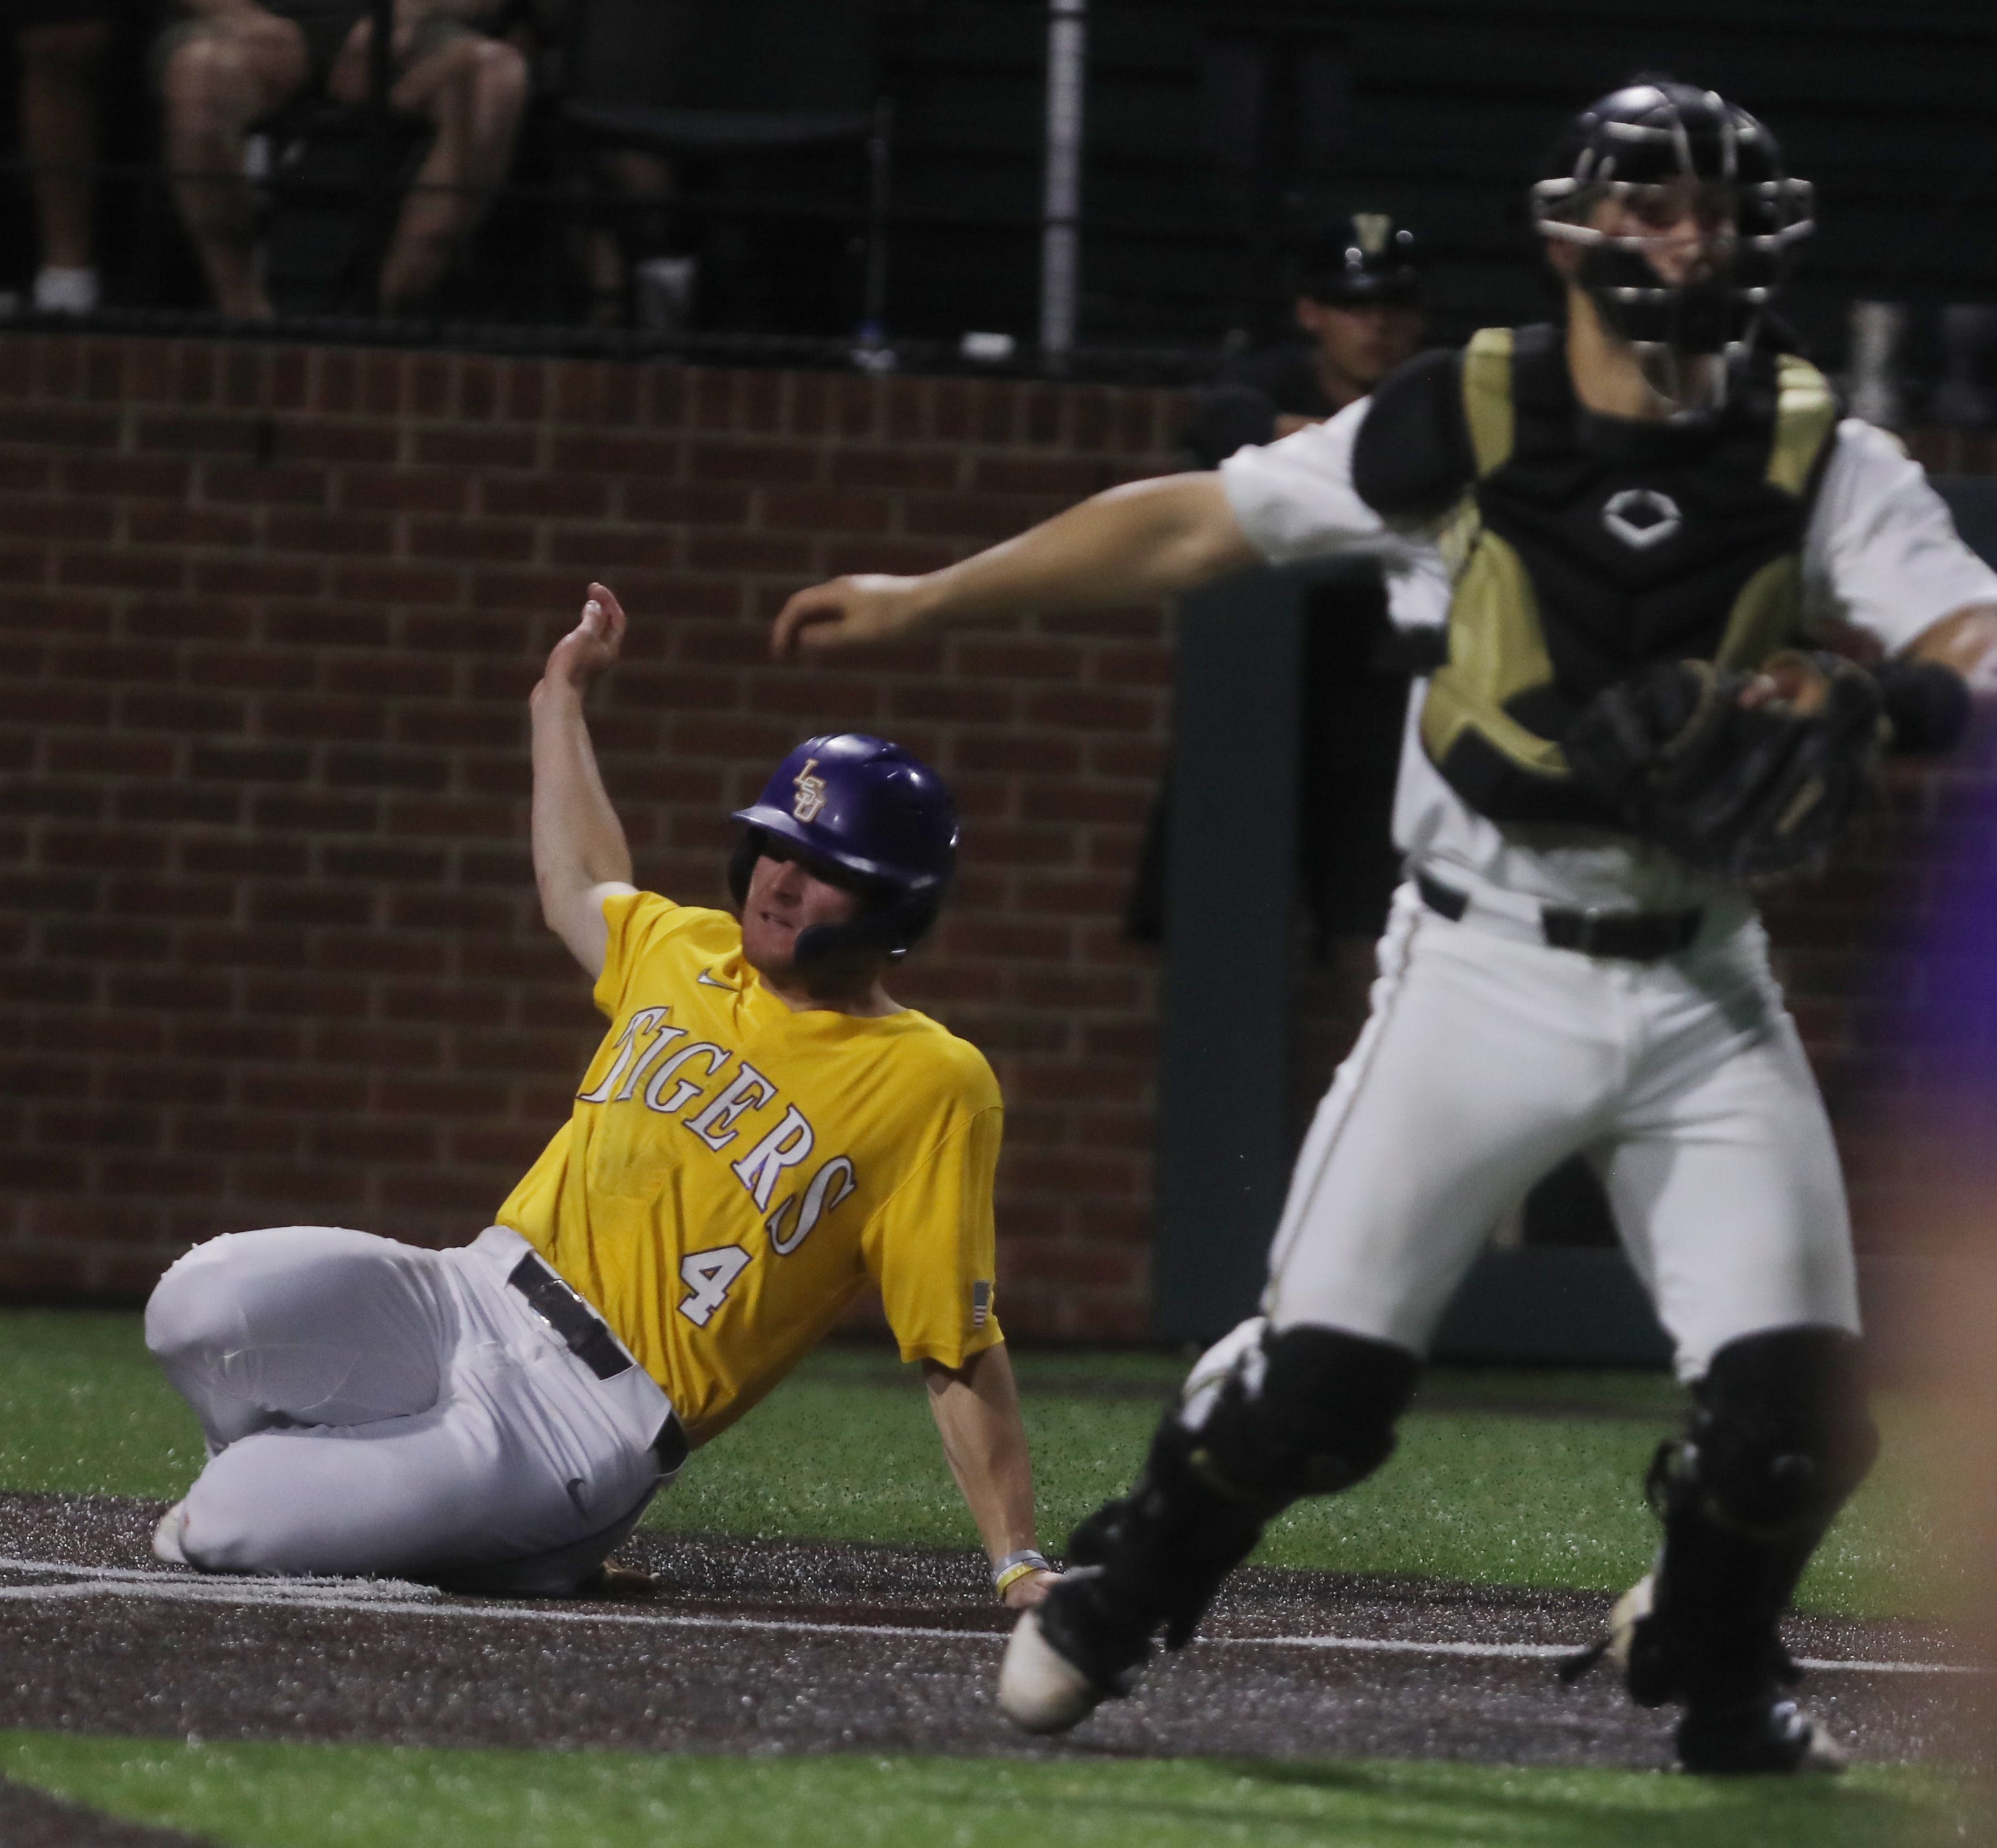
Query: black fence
x,y
1217,135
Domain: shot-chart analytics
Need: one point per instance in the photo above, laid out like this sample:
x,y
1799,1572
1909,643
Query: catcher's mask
x,y
1665,149
878,819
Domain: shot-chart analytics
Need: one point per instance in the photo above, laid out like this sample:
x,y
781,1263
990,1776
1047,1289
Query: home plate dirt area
x,y
792,1647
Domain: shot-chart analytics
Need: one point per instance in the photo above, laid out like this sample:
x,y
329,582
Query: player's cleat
x,y
1762,1737
167,1536
1040,1689
613,1579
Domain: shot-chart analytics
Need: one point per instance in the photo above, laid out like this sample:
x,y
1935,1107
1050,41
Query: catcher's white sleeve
x,y
1294,500
1882,551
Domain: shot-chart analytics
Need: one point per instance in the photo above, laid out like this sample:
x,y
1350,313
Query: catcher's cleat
x,y
1643,1653
1760,1736
1040,1689
1753,1732
1057,1670
167,1536
1617,1642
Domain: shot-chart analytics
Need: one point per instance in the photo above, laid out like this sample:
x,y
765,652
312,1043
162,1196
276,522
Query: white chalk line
x,y
369,1588
401,1597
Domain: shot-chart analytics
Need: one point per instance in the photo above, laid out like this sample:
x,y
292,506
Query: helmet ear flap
x,y
891,923
891,929
742,863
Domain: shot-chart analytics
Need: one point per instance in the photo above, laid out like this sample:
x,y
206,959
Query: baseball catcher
x,y
1641,527
762,1133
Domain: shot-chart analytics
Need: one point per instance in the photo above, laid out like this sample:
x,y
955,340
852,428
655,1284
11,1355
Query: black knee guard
x,y
1780,1431
1308,1411
1315,1416
1780,1437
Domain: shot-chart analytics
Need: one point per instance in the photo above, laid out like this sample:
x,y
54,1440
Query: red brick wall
x,y
271,614
271,949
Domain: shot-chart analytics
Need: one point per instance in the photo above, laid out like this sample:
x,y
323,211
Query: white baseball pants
x,y
1488,1058
373,1408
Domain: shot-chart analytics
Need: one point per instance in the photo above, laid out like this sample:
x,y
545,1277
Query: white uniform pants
x,y
373,1408
1489,1059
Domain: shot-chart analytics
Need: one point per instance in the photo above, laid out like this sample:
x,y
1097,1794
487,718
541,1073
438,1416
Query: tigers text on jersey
x,y
734,1171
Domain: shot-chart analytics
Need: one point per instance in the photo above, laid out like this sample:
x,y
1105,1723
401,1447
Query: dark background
x,y
1214,134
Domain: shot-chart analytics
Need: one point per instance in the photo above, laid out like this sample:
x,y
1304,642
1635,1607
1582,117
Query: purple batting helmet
x,y
878,814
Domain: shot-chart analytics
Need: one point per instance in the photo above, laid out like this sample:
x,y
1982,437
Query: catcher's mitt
x,y
1747,792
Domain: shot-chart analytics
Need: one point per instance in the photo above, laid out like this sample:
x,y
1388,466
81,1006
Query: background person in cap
x,y
763,1132
1359,306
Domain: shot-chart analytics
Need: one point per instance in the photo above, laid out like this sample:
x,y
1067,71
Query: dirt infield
x,y
771,1647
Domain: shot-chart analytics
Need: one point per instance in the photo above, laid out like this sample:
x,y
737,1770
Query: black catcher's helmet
x,y
1367,257
1636,144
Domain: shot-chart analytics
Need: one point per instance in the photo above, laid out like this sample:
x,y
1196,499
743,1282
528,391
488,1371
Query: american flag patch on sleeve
x,y
981,1302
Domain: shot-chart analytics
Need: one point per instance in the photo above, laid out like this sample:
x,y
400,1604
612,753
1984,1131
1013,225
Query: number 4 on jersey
x,y
709,1275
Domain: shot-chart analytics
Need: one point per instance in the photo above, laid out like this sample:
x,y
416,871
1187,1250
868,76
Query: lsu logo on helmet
x,y
811,792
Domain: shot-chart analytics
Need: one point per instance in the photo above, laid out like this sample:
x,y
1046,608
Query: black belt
x,y
587,1336
1637,937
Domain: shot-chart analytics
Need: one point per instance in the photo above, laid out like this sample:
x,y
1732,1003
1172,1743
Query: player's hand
x,y
1023,1594
1789,680
591,647
845,613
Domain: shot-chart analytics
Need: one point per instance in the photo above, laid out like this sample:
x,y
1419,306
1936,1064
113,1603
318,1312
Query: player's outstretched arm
x,y
581,857
1129,545
977,1412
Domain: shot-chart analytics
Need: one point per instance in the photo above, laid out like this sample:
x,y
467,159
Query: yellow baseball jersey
x,y
734,1172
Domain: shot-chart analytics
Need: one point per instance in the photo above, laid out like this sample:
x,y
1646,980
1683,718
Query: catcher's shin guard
x,y
1307,1411
1780,1437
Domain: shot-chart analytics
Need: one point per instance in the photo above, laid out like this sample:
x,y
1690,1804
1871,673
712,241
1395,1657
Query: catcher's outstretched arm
x,y
1128,545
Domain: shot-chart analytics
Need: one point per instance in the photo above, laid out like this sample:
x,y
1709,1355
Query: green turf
x,y
1479,1491
1475,1492
83,1407
327,1796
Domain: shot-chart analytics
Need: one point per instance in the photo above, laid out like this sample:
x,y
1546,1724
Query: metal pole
x,y
1068,32
874,309
380,53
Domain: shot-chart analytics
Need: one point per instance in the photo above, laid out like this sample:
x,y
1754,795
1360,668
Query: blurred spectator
x,y
763,108
634,55
231,63
1359,306
62,45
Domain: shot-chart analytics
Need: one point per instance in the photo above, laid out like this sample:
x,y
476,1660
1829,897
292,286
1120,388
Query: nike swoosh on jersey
x,y
705,979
